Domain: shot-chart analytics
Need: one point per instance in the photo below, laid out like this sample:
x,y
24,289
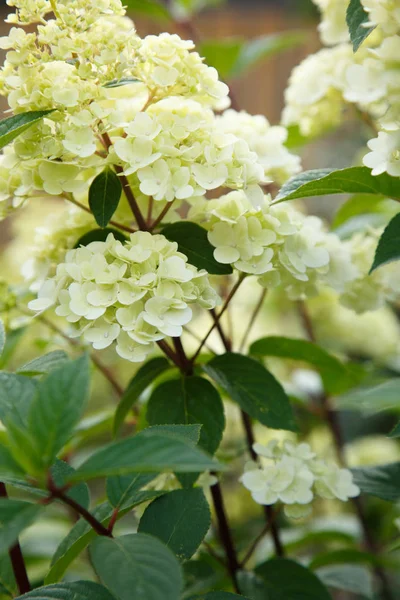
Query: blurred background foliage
x,y
371,339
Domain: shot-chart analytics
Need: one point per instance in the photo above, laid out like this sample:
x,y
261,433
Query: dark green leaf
x,y
356,18
193,242
8,466
288,580
334,373
100,235
58,406
140,381
352,578
104,195
150,451
389,244
2,337
186,401
382,481
71,590
82,534
16,396
137,566
60,472
148,8
253,586
15,516
8,585
395,433
180,519
12,127
119,82
258,49
218,596
354,180
44,364
126,489
256,391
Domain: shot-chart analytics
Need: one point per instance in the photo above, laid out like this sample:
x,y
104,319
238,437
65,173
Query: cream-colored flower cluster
x,y
135,293
279,244
267,141
294,475
174,150
333,27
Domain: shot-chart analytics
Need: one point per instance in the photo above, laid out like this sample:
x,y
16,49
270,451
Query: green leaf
x,y
71,590
82,534
258,49
186,401
352,578
125,489
389,244
395,433
222,54
193,242
8,584
16,396
354,180
218,596
343,556
334,373
8,466
104,195
256,391
137,566
148,8
12,127
140,381
44,364
58,406
15,516
100,235
254,587
360,205
60,473
2,337
288,580
372,400
120,82
356,17
382,481
180,519
13,338
150,451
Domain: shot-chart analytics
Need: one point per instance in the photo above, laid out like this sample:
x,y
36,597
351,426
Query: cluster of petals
x,y
293,475
135,293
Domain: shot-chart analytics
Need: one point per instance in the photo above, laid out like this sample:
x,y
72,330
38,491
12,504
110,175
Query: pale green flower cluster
x,y
267,141
279,244
370,291
333,27
294,475
175,151
135,293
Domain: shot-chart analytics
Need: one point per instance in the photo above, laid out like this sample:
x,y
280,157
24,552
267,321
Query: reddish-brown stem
x,y
160,217
71,199
225,534
186,365
149,211
218,317
225,340
332,421
113,520
127,188
16,558
169,352
58,493
252,320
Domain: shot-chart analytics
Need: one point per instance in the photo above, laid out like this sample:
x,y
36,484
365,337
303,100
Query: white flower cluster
x,y
275,242
267,141
135,293
294,475
176,151
333,27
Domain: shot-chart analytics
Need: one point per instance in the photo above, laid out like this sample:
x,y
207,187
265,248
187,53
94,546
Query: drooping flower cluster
x,y
135,293
294,475
277,243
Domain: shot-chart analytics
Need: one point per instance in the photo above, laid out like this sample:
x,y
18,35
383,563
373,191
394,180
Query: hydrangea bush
x,y
174,206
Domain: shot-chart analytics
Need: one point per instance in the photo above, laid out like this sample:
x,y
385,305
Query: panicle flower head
x,y
135,293
294,475
265,140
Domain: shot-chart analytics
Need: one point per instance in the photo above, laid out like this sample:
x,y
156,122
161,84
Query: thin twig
x,y
332,420
71,199
160,217
16,558
225,340
252,320
218,317
198,338
214,554
186,365
254,545
150,211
